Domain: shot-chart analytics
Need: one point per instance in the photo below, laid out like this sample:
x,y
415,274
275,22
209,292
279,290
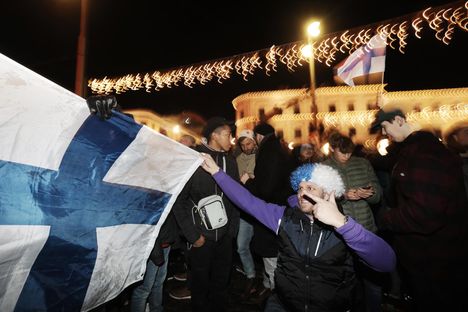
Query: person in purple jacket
x,y
317,243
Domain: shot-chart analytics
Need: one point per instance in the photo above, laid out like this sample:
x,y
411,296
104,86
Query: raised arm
x,y
268,214
373,250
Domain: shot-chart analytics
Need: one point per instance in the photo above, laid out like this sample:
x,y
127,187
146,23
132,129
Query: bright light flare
x,y
306,51
326,148
313,30
382,146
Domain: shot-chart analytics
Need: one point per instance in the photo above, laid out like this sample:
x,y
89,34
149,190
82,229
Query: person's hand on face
x,y
326,210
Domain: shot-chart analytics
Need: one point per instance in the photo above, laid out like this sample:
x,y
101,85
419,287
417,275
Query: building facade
x,y
164,125
347,109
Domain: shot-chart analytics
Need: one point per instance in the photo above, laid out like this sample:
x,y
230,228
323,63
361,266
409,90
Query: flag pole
x,y
380,92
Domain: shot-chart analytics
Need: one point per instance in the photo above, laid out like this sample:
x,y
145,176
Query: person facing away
x,y
316,241
361,184
246,164
305,153
429,215
210,256
272,168
188,140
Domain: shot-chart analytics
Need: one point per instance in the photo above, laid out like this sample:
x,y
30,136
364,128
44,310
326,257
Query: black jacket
x,y
167,236
271,183
315,267
201,185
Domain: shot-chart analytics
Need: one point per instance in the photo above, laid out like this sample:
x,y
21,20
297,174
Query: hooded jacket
x,y
201,185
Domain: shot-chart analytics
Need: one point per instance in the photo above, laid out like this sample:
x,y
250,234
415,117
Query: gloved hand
x,y
102,105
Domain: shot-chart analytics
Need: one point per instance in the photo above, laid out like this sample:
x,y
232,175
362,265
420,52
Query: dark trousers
x,y
210,267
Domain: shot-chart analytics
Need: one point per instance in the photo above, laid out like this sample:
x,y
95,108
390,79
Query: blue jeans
x,y
273,304
243,247
151,289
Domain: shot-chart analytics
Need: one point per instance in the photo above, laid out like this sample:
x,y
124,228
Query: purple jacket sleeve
x,y
373,250
268,214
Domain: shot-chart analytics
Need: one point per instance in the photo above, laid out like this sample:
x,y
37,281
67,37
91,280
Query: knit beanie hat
x,y
324,176
264,129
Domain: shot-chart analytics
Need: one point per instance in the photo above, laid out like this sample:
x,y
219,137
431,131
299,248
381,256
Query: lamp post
x,y
313,31
81,50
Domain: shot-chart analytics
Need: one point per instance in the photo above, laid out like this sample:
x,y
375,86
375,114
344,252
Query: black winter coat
x,y
271,183
201,185
167,236
315,267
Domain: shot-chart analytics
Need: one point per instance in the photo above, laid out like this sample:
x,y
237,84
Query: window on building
x,y
350,107
371,106
311,127
241,114
352,132
163,131
297,133
332,108
297,109
279,133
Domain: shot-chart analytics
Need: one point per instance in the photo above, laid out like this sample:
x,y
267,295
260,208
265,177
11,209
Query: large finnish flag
x,y
365,65
81,200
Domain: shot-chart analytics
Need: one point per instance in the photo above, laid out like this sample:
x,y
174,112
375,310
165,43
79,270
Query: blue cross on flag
x,y
81,200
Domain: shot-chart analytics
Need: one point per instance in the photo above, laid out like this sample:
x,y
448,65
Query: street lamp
x,y
313,31
81,50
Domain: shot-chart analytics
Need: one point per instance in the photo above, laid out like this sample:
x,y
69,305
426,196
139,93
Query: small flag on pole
x,y
365,65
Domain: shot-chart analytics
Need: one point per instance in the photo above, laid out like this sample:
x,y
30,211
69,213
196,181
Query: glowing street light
x,y
313,31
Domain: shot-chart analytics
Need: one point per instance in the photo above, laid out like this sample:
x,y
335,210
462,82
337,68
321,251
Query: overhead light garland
x,y
443,20
445,113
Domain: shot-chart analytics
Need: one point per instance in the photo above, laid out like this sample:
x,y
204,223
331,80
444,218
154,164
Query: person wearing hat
x,y
317,243
246,164
269,182
429,216
210,255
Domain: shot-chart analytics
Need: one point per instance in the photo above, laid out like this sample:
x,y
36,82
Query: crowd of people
x,y
333,231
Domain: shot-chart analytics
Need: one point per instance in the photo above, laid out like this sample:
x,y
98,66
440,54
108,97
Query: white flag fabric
x,y
82,200
365,61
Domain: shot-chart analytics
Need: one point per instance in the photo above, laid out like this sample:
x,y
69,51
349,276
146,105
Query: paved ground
x,y
236,287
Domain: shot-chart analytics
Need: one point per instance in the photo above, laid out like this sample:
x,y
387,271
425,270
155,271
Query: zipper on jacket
x,y
318,243
306,308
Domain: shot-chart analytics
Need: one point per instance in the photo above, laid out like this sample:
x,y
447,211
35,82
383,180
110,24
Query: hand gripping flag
x,y
81,200
365,65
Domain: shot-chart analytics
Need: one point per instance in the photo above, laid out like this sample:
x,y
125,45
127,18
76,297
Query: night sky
x,y
142,36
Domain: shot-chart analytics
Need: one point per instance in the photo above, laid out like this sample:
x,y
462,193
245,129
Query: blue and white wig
x,y
324,176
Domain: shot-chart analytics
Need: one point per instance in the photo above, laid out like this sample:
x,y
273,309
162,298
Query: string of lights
x,y
445,113
443,21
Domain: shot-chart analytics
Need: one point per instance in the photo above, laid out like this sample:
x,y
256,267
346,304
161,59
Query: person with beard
x,y
317,243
